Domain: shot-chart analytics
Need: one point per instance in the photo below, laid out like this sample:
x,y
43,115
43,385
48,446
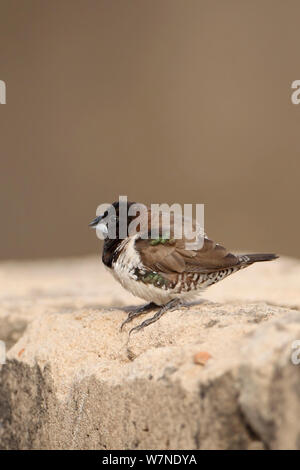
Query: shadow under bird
x,y
162,271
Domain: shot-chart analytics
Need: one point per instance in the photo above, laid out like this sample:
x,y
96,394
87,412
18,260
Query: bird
x,y
162,270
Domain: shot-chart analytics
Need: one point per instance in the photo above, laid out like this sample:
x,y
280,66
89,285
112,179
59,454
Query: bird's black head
x,y
114,221
112,226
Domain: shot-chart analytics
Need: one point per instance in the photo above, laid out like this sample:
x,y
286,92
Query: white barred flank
x,y
187,282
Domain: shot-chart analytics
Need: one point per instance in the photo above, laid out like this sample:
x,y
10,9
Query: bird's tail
x,y
255,257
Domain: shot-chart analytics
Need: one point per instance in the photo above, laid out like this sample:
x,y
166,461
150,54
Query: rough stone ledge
x,y
73,381
29,289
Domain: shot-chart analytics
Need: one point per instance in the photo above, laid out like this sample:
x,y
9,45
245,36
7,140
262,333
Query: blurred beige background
x,y
161,100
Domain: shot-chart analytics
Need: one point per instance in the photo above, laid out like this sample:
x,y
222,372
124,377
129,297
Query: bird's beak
x,y
95,221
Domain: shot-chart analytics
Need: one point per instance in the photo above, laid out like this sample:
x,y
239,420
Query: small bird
x,y
162,271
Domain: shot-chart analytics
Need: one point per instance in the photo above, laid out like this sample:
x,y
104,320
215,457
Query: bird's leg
x,y
137,312
172,305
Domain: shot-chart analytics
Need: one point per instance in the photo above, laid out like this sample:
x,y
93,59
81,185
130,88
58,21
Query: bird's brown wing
x,y
172,257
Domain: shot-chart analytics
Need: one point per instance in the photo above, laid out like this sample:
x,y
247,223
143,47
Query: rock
x,y
74,381
270,382
202,357
32,288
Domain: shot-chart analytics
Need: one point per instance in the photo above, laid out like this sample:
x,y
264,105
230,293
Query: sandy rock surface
x,y
73,380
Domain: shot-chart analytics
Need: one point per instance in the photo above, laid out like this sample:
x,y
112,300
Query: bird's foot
x,y
137,312
172,305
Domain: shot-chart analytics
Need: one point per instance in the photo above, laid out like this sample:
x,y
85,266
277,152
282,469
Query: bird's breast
x,y
129,270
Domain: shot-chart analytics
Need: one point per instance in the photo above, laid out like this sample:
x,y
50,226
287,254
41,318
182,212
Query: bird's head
x,y
115,220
